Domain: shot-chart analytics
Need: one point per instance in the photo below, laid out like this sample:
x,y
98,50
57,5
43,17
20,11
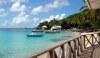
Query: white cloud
x,y
37,10
62,16
51,6
50,18
57,17
17,7
18,0
3,12
20,19
25,23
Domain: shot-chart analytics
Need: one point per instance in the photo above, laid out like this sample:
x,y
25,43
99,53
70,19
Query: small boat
x,y
35,35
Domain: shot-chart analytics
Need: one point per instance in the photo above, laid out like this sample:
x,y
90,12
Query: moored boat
x,y
35,35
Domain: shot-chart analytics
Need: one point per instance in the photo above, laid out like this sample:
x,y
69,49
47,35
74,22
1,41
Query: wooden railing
x,y
72,48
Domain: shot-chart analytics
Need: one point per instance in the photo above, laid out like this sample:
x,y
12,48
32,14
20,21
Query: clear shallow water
x,y
15,43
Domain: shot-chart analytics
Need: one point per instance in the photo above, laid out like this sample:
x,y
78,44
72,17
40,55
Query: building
x,y
56,28
93,4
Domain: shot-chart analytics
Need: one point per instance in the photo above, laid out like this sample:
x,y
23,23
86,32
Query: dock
x,y
83,46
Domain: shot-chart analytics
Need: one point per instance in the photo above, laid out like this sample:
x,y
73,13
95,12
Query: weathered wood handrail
x,y
72,48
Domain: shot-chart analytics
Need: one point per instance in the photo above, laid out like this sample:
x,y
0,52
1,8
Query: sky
x,y
29,13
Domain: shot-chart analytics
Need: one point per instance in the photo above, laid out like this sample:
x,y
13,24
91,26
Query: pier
x,y
83,46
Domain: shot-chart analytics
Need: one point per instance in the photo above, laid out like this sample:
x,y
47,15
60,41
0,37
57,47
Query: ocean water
x,y
14,43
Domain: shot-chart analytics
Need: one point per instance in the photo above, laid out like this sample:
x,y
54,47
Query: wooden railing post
x,y
84,42
63,51
93,39
99,38
70,50
80,45
78,51
53,54
75,48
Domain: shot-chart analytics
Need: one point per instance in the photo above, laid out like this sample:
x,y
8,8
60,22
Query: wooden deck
x,y
83,46
91,52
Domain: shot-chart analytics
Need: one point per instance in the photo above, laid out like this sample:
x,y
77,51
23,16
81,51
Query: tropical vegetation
x,y
86,19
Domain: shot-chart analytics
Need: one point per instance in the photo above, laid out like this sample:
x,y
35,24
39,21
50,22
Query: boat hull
x,y
34,35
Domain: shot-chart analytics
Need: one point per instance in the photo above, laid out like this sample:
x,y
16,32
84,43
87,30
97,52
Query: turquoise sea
x,y
15,44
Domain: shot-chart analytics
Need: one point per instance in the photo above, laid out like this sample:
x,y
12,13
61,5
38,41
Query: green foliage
x,y
85,19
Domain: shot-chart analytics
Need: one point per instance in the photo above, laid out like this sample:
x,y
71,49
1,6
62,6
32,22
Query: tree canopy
x,y
85,19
